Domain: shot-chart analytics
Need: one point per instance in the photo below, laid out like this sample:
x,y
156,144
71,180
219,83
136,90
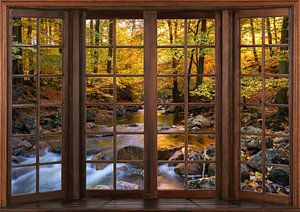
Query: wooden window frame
x,y
227,7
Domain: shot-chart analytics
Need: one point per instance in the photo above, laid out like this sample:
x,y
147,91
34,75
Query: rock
x,y
207,154
130,153
165,127
195,128
279,176
133,125
170,109
103,115
271,157
199,121
100,156
56,149
251,129
166,153
178,155
30,123
244,172
24,144
93,150
123,185
193,169
102,187
120,111
132,108
202,183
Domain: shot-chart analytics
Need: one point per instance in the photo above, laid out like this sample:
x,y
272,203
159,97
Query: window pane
x,y
277,150
251,31
23,180
202,89
201,31
170,32
50,177
99,32
251,90
277,180
201,147
251,178
251,148
23,150
130,118
251,60
277,30
99,176
51,148
23,61
99,61
170,118
170,89
168,145
201,176
23,120
277,90
129,61
130,147
51,31
130,32
277,60
130,89
99,89
277,120
201,61
51,61
130,176
170,61
170,176
50,119
51,90
99,119
251,119
24,90
24,31
201,119
99,147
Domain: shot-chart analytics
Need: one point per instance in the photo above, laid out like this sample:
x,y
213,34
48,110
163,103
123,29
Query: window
x,y
150,105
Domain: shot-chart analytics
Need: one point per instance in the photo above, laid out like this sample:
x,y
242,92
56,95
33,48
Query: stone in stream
x,y
130,153
123,185
102,187
167,153
203,183
198,121
279,176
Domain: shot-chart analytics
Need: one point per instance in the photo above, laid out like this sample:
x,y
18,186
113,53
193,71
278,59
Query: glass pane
x,y
130,147
277,180
99,89
277,30
277,90
201,119
202,89
99,176
251,31
51,31
51,148
99,32
277,150
129,61
130,32
99,118
201,61
170,118
170,176
99,147
50,119
251,60
251,119
130,89
170,32
99,61
23,180
24,31
24,90
23,150
170,146
251,147
251,90
201,31
202,147
130,176
23,120
170,89
170,61
51,90
50,177
277,120
201,176
277,60
51,61
23,61
251,178
130,118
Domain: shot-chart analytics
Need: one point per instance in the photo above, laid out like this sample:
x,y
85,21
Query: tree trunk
x,y
110,43
256,60
97,40
200,62
269,35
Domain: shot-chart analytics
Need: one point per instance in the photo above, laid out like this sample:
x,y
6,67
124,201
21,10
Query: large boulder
x,y
279,176
130,153
203,183
199,121
123,185
244,172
